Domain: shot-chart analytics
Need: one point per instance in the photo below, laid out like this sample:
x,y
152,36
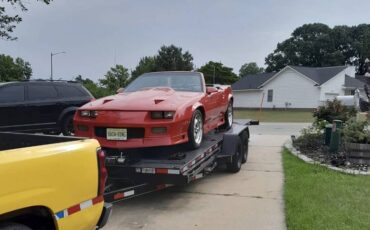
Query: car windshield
x,y
178,82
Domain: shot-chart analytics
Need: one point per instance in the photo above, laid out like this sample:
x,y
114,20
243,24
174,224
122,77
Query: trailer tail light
x,y
103,174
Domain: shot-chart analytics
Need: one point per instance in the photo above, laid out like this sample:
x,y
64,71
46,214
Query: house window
x,y
349,92
270,93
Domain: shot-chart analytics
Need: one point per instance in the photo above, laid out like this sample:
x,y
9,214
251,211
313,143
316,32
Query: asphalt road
x,y
250,199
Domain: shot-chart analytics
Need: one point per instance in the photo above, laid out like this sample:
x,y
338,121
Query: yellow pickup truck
x,y
51,182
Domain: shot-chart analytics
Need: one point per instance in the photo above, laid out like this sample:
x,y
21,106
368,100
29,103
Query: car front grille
x,y
131,132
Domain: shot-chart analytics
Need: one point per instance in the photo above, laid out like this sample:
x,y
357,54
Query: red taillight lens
x,y
103,174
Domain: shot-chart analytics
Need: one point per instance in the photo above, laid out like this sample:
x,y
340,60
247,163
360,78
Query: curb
x,y
306,159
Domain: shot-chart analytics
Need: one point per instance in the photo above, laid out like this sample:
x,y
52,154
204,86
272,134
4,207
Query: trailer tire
x,y
245,144
14,226
236,160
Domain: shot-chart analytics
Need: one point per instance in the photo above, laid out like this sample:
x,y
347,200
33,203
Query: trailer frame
x,y
140,171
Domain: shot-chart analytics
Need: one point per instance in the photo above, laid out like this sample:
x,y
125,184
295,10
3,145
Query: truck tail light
x,y
103,174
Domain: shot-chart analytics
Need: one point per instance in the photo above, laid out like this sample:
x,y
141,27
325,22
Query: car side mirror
x,y
120,90
211,90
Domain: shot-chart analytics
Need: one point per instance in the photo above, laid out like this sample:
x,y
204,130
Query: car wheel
x,y
195,133
228,117
14,226
52,132
67,125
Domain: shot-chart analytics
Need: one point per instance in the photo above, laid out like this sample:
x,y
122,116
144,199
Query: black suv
x,y
41,106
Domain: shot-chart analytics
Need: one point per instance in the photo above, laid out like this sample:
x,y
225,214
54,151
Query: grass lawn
x,y
319,198
275,115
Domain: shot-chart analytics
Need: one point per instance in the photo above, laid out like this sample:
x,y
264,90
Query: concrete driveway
x,y
250,199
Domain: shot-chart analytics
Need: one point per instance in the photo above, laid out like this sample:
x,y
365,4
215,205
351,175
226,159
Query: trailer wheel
x,y
245,143
236,160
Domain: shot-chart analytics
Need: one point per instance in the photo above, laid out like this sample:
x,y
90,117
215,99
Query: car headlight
x,y
88,113
85,113
162,114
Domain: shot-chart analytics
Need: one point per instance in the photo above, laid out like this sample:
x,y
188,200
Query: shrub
x,y
356,131
333,110
310,140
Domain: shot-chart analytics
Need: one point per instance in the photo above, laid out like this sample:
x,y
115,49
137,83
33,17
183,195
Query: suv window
x,y
13,93
69,91
38,92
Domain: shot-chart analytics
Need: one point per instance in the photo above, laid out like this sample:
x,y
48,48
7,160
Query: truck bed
x,y
11,140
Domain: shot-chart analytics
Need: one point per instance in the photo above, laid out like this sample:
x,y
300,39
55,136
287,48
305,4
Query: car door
x,y
12,107
43,103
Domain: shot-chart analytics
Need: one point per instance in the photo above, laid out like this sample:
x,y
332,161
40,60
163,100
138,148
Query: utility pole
x,y
51,63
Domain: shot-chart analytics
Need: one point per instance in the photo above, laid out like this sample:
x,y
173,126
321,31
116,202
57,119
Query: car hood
x,y
145,100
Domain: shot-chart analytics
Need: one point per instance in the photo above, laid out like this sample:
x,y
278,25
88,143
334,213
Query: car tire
x,y
236,160
13,226
67,125
228,117
195,133
52,132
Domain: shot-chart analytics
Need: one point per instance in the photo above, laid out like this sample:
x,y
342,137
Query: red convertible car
x,y
157,109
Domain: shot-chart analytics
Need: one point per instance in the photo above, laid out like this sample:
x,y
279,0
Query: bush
x,y
333,110
310,140
356,131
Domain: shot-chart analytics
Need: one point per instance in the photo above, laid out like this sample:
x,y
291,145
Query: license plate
x,y
116,134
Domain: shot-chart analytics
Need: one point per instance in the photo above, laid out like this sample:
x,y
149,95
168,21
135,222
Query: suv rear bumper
x,y
107,210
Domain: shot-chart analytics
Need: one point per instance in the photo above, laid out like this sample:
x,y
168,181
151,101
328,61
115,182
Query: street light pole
x,y
51,63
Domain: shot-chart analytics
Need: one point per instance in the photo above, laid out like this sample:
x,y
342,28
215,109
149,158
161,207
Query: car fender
x,y
196,106
229,93
72,109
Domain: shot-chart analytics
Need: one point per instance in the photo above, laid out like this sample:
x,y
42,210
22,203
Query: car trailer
x,y
140,171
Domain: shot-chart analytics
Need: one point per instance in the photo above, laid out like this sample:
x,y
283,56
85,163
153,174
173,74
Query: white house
x,y
295,87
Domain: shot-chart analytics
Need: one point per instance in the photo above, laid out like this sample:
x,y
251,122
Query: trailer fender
x,y
230,144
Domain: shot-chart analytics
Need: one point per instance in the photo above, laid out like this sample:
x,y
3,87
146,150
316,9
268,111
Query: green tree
x,y
146,64
171,58
94,88
223,75
310,45
8,23
115,78
318,45
250,68
361,44
14,70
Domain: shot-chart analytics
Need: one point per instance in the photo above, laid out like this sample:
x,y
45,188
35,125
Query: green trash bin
x,y
335,136
327,134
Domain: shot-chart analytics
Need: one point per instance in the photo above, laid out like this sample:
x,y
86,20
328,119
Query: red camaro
x,y
157,109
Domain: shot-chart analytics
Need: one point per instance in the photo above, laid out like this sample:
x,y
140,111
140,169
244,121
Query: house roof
x,y
363,78
351,82
319,75
252,81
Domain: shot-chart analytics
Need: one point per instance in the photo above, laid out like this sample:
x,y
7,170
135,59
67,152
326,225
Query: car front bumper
x,y
139,129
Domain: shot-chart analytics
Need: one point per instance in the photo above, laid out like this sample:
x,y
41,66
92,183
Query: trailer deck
x,y
140,171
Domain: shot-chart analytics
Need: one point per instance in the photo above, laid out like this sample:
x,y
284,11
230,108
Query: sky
x,y
97,34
